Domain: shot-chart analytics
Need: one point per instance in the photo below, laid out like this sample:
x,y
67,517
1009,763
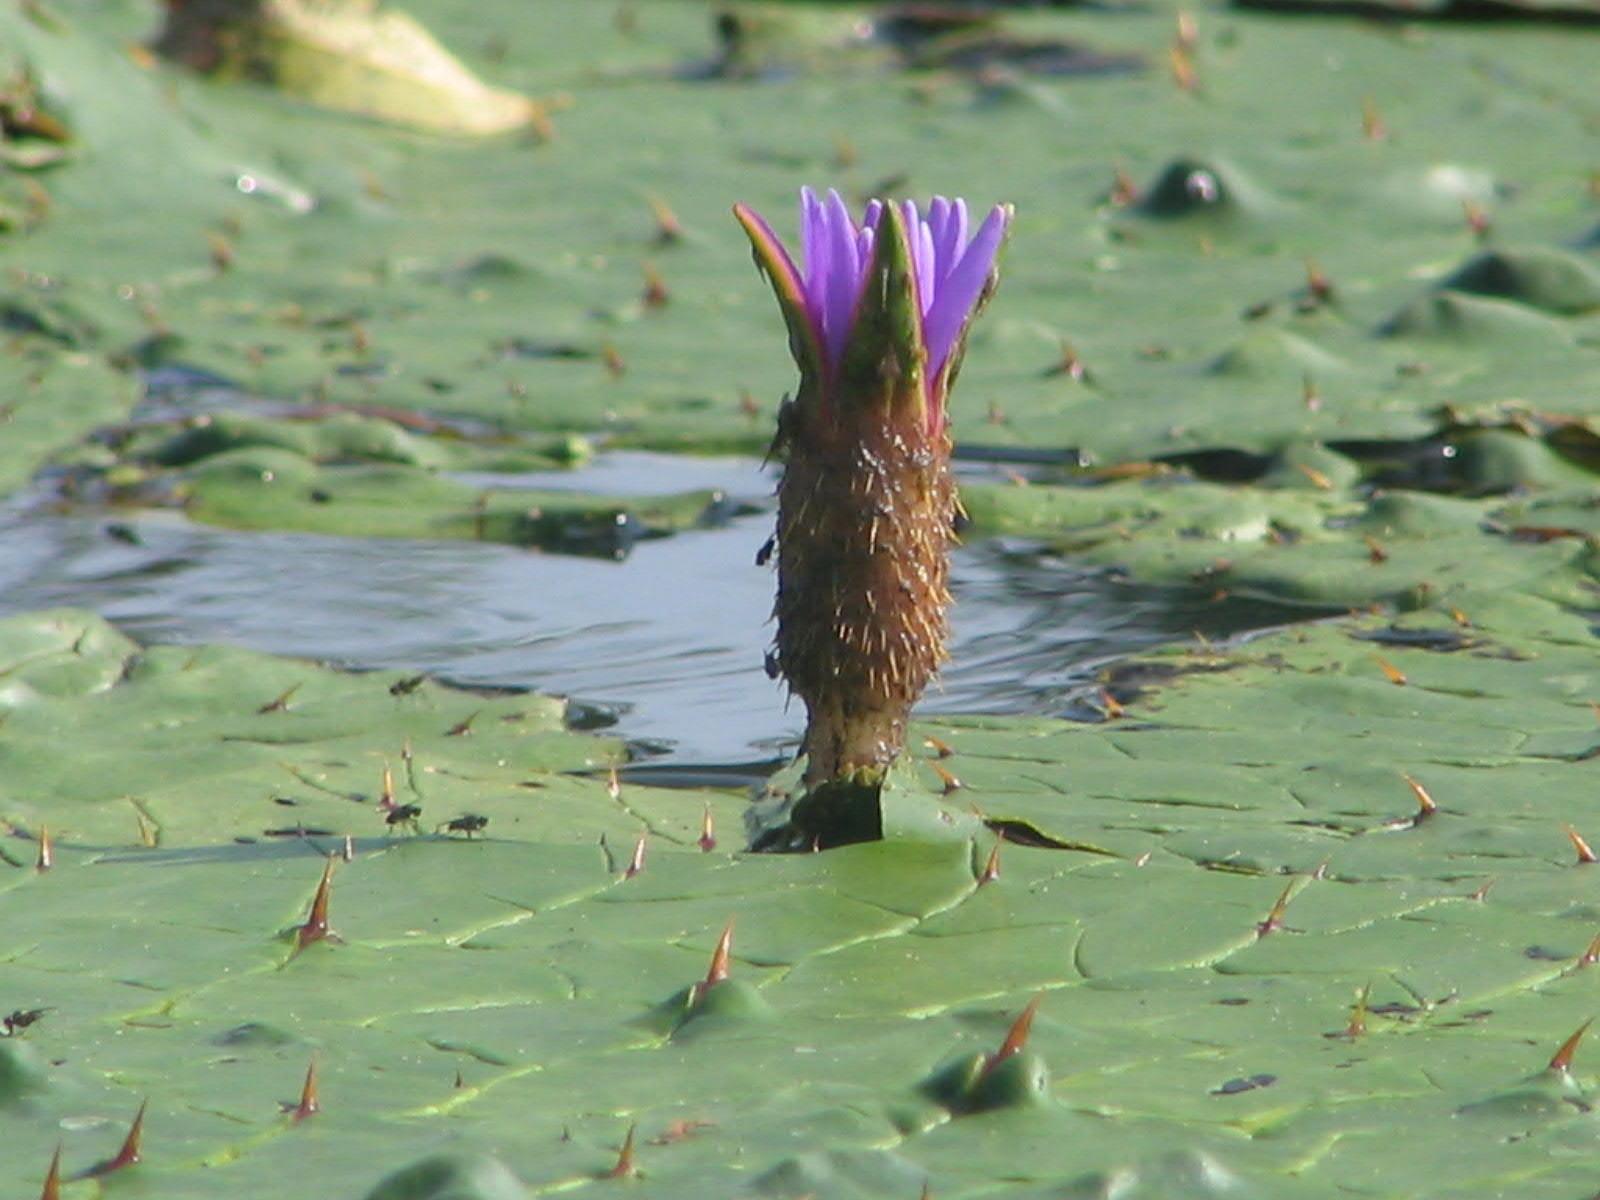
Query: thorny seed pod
x,y
877,323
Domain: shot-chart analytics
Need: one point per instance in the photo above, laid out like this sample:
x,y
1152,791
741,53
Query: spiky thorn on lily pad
x,y
718,971
627,1165
878,313
1585,854
132,1150
309,1104
1561,1061
315,928
1010,1076
52,1179
1016,1036
1273,921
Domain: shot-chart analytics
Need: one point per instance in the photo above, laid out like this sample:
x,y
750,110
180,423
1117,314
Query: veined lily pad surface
x,y
1300,324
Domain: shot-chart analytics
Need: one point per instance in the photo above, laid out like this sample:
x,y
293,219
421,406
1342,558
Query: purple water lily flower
x,y
878,315
949,270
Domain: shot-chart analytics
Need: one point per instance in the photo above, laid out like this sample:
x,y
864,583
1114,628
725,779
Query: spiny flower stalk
x,y
878,315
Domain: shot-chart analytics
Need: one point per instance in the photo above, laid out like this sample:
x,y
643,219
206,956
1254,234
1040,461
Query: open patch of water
x,y
670,639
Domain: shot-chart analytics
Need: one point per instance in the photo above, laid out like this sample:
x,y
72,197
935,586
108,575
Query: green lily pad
x,y
1246,855
289,272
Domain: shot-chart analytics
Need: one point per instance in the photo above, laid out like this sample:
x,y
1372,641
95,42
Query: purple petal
x,y
920,268
959,291
844,281
938,223
908,211
955,239
814,249
867,234
926,267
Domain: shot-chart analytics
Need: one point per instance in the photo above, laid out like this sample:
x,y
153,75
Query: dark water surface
x,y
670,639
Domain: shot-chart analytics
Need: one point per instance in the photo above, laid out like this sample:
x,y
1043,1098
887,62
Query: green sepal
x,y
885,362
805,338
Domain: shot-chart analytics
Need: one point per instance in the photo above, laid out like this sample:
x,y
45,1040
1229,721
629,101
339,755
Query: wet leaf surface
x,y
1179,971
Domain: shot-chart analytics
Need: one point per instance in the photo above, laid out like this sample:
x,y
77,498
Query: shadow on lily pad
x,y
451,1177
899,806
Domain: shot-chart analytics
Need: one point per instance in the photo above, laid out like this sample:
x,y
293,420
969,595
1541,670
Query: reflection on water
x,y
671,639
